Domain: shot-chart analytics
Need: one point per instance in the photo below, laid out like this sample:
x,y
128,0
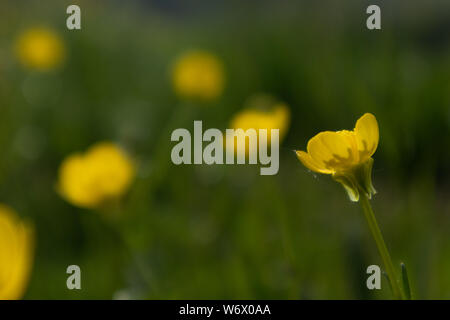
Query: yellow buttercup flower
x,y
101,174
16,254
276,117
346,155
198,75
40,49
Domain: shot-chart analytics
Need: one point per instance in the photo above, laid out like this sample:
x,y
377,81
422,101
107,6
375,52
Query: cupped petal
x,y
334,151
367,136
309,162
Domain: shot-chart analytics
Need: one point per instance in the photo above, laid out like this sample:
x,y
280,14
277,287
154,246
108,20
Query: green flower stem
x,y
376,233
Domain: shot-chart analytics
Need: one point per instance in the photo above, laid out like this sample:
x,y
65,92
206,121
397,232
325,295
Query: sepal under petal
x,y
356,180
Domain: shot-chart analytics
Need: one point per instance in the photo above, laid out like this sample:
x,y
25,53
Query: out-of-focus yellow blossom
x,y
101,174
346,155
198,75
276,117
16,254
40,49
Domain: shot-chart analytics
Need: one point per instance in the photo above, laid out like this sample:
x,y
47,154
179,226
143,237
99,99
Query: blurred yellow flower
x,y
198,75
346,155
276,117
40,49
101,174
16,254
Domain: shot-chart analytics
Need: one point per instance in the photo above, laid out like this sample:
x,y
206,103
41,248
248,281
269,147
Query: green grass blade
x,y
405,280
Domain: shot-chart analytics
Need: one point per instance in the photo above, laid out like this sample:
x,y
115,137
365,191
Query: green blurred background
x,y
225,232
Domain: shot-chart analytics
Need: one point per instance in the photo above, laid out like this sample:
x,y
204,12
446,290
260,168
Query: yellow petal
x,y
90,179
41,49
367,135
198,74
16,254
333,150
76,183
111,169
309,162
